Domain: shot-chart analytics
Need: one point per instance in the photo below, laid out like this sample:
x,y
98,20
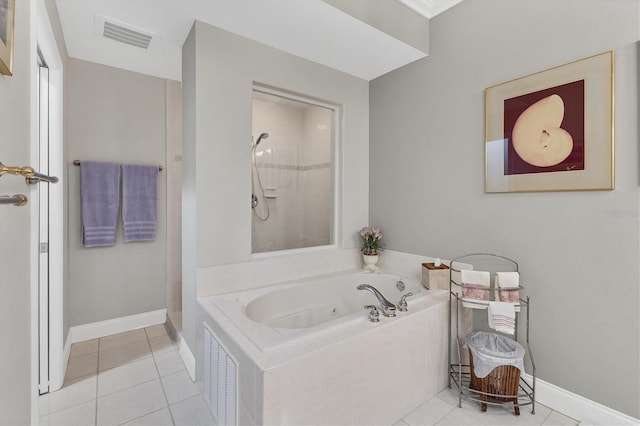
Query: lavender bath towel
x,y
139,202
100,194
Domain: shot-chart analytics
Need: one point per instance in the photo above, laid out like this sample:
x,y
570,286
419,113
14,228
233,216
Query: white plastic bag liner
x,y
491,350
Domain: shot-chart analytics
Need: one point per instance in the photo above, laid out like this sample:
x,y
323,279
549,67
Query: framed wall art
x,y
552,130
7,17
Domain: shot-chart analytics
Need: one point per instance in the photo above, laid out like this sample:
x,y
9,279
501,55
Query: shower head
x,y
262,136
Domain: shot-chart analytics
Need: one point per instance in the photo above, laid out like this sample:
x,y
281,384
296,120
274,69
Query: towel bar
x,y
17,200
77,163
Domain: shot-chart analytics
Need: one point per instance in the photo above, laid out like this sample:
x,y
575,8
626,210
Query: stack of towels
x,y
475,294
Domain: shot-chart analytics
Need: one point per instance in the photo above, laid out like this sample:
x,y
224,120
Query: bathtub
x,y
304,311
306,351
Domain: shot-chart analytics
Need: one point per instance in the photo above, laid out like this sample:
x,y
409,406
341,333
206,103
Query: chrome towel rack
x,y
30,175
17,200
78,163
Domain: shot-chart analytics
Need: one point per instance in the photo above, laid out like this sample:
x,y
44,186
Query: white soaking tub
x,y
306,351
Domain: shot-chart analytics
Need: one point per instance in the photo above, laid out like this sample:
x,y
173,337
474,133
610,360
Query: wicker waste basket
x,y
500,360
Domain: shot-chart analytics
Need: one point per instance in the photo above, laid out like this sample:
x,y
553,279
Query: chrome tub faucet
x,y
388,309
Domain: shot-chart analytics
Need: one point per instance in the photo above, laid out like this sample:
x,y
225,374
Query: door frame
x,y
58,352
43,227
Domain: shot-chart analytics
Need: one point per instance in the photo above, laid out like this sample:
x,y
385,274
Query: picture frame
x,y
552,130
7,20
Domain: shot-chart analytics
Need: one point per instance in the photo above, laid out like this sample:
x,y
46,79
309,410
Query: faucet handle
x,y
374,315
402,304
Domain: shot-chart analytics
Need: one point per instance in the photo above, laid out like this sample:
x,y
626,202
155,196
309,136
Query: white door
x,y
43,208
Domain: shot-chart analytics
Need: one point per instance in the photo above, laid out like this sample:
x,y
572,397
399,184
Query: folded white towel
x,y
502,317
475,287
508,280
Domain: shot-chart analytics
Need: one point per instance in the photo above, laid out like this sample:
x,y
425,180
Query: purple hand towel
x,y
100,194
139,202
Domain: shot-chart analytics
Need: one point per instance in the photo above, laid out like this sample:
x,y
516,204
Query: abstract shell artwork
x,y
552,130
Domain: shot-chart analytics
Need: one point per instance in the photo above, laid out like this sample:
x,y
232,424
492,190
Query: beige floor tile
x,y
429,413
458,418
168,362
161,344
120,339
126,376
178,387
74,392
192,411
156,330
83,365
80,415
84,348
131,403
124,354
556,418
157,418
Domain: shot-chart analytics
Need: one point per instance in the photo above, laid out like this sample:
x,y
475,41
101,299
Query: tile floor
x,y
138,378
132,378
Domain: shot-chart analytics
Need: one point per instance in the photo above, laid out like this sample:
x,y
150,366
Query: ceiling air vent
x,y
124,33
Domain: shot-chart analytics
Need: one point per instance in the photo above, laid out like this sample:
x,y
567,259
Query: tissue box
x,y
435,277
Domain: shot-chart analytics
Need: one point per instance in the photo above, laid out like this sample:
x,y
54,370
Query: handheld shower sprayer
x,y
254,198
262,136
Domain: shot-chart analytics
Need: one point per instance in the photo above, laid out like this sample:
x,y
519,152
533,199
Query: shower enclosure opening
x,y
293,171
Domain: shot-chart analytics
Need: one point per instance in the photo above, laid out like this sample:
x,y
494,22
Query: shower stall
x,y
293,172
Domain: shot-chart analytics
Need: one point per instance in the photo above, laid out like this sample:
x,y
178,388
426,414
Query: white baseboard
x,y
94,330
188,359
580,408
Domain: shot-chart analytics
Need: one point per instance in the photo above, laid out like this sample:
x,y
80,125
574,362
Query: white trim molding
x,y
188,359
66,352
588,412
94,330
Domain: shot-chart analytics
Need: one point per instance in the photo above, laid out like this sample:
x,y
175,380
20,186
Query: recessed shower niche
x,y
293,171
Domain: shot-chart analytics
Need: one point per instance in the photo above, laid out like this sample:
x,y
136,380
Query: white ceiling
x,y
430,8
311,29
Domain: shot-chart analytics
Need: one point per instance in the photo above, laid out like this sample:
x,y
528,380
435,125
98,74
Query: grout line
x,y
155,364
144,415
547,417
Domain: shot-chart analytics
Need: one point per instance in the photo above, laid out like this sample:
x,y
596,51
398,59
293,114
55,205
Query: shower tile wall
x,y
294,165
315,160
